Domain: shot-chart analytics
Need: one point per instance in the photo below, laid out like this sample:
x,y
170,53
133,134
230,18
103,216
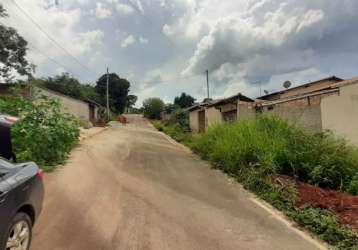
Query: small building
x,y
86,110
327,104
302,89
203,115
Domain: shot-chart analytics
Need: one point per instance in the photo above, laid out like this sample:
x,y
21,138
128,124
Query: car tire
x,y
23,221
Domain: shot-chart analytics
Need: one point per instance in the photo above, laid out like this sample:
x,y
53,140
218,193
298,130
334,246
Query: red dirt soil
x,y
343,205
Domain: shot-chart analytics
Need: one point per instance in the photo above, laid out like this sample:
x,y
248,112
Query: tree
x,y
170,108
13,49
184,100
68,85
131,100
118,91
153,107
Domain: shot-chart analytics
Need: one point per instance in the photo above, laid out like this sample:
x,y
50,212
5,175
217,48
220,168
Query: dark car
x,y
21,195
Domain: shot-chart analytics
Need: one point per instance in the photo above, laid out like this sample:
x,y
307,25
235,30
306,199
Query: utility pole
x,y
207,83
107,95
260,88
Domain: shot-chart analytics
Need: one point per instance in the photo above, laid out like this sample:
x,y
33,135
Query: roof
x,y
292,98
345,83
67,96
220,102
199,105
331,78
230,99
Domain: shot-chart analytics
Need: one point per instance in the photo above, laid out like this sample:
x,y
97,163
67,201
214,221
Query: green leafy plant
x,y
44,133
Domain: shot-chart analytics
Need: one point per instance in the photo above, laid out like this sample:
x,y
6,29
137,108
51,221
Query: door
x,y
92,110
201,121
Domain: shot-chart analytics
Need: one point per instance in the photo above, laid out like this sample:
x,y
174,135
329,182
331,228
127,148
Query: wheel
x,y
19,233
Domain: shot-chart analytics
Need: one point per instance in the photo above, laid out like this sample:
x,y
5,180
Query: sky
x,y
164,47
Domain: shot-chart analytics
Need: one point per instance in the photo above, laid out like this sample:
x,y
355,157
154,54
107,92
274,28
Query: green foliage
x,y
175,131
13,48
44,134
326,226
118,91
254,150
184,101
131,101
170,108
181,118
153,107
353,186
68,85
277,147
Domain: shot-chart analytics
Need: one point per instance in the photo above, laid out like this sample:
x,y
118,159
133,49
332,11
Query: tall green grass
x,y
269,145
254,150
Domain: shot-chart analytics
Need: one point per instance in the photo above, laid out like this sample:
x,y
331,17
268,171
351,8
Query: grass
x,y
253,150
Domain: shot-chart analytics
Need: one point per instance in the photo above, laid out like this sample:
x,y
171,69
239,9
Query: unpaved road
x,y
132,188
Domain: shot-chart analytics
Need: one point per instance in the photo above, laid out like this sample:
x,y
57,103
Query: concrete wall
x,y
70,105
340,113
213,116
305,112
308,89
246,111
194,121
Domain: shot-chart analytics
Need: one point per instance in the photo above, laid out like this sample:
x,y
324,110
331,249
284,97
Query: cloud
x,y
143,40
63,24
101,11
272,37
137,4
124,8
128,41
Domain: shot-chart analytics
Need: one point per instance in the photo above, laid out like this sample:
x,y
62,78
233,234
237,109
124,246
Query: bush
x,y
44,134
180,117
152,108
326,226
254,150
273,146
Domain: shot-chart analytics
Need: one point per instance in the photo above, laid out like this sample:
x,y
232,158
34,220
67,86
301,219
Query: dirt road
x,y
131,188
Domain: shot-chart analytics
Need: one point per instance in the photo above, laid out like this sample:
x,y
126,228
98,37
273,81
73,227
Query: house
x,y
203,115
327,104
302,89
83,109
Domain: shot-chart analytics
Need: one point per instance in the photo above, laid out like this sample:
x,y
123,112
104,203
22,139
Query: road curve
x,y
132,188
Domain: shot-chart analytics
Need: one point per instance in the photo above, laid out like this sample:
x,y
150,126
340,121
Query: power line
x,y
50,58
43,54
50,38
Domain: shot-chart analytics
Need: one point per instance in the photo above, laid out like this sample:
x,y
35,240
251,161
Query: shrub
x,y
180,117
326,226
270,145
353,186
153,107
254,150
44,134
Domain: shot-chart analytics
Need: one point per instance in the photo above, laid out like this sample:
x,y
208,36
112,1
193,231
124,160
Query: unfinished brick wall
x,y
304,112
